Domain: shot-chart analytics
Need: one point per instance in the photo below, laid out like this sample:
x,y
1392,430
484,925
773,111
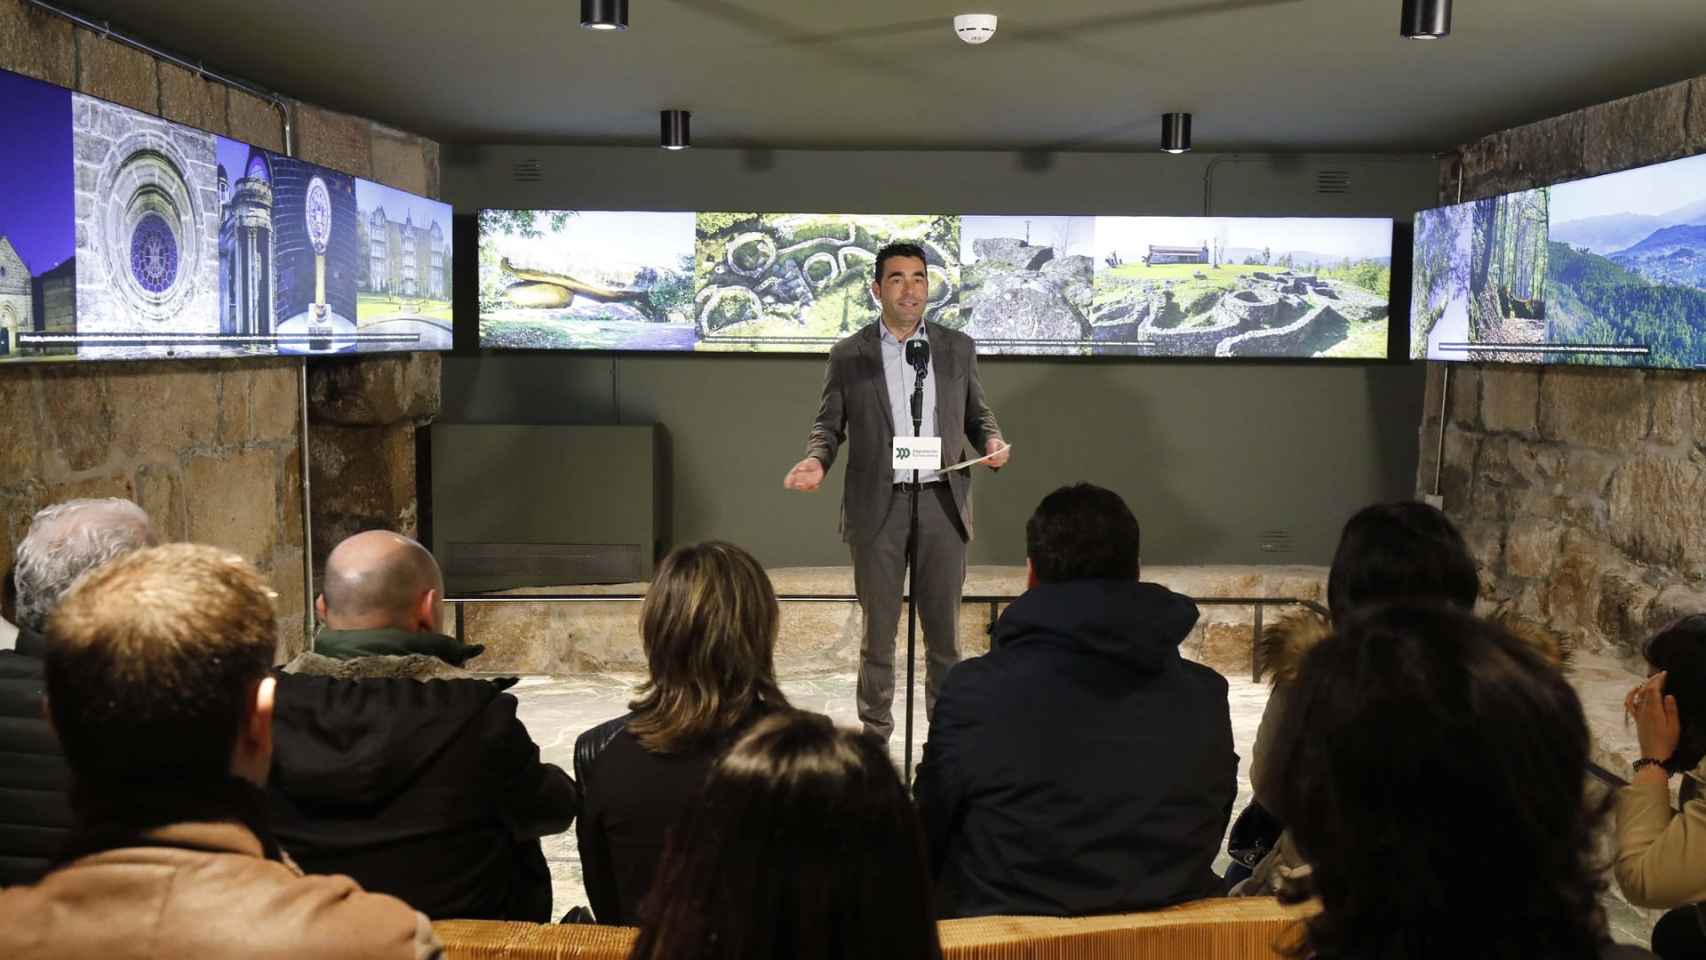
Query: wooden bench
x,y
1245,928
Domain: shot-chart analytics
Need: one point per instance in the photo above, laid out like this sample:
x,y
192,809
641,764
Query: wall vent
x,y
1274,541
1332,181
528,171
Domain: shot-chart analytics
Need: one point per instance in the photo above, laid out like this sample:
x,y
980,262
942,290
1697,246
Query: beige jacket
x,y
204,890
1661,853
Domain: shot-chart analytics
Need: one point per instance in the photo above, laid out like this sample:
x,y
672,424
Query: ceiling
x,y
1285,75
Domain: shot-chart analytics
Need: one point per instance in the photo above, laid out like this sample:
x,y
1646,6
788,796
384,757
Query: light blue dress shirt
x,y
900,377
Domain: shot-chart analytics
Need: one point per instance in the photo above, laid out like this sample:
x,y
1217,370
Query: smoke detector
x,y
975,28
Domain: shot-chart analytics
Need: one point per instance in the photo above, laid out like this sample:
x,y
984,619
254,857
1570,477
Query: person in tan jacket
x,y
1661,852
158,687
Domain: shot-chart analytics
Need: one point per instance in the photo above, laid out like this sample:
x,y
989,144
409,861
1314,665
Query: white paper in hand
x,y
917,453
972,463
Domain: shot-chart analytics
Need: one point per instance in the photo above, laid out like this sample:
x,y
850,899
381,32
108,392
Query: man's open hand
x,y
806,475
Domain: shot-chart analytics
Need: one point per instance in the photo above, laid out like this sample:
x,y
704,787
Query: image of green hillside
x,y
1594,301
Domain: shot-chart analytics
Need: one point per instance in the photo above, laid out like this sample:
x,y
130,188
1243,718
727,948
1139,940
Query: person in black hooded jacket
x,y
405,772
1082,766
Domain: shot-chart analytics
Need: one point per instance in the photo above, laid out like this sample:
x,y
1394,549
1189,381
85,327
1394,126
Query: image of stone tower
x,y
246,278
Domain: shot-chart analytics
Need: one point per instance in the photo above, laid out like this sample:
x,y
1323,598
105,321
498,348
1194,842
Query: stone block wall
x,y
1579,489
212,449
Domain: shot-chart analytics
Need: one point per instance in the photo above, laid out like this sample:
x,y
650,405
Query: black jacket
x,y
1082,766
35,807
431,791
633,797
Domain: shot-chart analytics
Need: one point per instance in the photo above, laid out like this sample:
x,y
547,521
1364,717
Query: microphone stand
x,y
912,575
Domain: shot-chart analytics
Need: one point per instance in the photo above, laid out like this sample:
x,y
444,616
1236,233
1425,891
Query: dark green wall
x,y
1211,455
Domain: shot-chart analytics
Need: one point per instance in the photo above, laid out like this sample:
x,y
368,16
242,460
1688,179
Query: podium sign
x,y
917,453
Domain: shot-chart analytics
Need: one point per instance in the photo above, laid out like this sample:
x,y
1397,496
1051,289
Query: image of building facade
x,y
406,259
17,309
1166,254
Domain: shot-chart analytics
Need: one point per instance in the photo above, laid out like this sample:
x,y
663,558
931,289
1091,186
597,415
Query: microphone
x,y
918,354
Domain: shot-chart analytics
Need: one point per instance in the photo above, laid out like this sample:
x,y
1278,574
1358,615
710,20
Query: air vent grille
x,y
1332,181
1274,541
528,171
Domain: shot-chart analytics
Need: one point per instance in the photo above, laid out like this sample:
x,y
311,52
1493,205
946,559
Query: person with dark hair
x,y
158,686
708,626
1661,852
397,768
65,541
867,403
802,847
1404,551
1082,766
1436,790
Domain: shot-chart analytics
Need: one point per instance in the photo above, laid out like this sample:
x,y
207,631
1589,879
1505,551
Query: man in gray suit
x,y
867,394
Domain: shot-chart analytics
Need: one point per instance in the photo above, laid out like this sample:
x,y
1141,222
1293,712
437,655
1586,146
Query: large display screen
x,y
123,235
1606,270
1068,286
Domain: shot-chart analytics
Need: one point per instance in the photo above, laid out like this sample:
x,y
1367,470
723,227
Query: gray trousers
x,y
879,580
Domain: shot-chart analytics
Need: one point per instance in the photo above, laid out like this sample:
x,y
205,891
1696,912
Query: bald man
x,y
393,766
383,596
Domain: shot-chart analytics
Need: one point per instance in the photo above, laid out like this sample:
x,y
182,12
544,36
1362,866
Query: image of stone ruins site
x,y
1177,301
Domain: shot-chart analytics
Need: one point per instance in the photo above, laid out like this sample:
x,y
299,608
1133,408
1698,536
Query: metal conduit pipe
x,y
105,29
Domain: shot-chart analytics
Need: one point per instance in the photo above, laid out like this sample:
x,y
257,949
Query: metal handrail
x,y
995,601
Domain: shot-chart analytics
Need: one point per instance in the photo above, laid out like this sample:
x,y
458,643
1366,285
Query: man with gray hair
x,y
64,541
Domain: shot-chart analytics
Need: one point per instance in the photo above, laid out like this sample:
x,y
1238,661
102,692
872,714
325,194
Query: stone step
x,y
564,639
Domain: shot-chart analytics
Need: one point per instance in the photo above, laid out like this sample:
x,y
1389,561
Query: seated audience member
x,y
384,596
1082,766
157,681
708,626
1405,551
1436,790
1661,853
63,541
416,785
803,845
8,611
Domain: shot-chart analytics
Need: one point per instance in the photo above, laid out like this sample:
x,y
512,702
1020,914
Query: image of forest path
x,y
1507,273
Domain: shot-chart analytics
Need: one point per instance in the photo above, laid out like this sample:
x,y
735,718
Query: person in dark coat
x,y
406,773
1082,766
709,629
64,541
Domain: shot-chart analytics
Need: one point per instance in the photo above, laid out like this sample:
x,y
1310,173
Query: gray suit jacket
x,y
855,410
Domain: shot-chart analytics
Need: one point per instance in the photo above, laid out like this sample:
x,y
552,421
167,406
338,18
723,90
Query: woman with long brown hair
x,y
708,626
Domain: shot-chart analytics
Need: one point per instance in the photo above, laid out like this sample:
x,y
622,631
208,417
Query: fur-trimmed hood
x,y
1286,641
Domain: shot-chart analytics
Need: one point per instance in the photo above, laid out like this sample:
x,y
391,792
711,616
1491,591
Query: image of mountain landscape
x,y
1628,264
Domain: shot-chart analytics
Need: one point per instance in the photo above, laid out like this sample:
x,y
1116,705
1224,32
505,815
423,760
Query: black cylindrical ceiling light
x,y
1176,132
1426,19
604,14
675,135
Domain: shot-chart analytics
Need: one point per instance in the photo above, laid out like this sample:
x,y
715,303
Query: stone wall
x,y
1580,490
212,449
